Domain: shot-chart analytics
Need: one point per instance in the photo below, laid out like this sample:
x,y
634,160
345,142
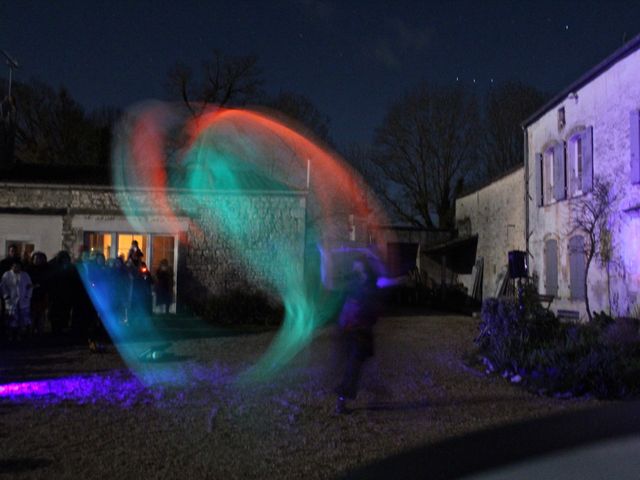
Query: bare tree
x,y
506,107
224,80
590,215
301,109
425,149
360,158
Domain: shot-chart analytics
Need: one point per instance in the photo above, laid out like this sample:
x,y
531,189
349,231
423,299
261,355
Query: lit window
x,y
99,242
124,244
24,249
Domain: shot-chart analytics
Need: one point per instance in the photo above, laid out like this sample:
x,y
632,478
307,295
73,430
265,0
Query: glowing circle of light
x,y
158,152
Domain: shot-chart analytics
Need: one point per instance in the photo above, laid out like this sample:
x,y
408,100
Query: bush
x,y
509,336
624,332
531,346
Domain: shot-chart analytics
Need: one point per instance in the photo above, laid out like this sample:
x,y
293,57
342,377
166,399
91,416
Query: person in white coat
x,y
16,290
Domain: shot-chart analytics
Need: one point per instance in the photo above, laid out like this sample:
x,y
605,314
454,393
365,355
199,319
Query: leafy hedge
x,y
531,346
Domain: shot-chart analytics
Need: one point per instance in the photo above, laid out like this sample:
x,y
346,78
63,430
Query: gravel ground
x,y
417,390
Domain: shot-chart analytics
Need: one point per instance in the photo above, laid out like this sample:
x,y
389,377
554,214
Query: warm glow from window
x,y
163,249
99,242
124,244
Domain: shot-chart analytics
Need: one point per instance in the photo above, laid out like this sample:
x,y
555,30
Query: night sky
x,y
352,59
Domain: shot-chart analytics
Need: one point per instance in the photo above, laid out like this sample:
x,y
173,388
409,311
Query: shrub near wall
x,y
532,347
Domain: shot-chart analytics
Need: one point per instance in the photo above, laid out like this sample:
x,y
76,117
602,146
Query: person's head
x,y
362,270
84,254
38,258
99,259
359,265
13,250
16,266
63,257
164,264
134,245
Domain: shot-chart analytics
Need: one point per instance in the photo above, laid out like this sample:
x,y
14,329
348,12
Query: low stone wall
x,y
268,231
209,262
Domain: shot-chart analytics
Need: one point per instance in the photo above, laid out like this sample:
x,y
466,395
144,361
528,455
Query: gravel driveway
x,y
416,390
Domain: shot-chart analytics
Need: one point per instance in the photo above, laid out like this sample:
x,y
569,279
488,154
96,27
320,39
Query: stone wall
x,y
496,214
208,261
268,238
605,104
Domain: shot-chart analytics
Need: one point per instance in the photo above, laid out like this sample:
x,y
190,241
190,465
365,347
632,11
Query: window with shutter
x,y
539,180
549,176
559,165
635,146
587,159
551,267
577,264
578,166
575,164
561,119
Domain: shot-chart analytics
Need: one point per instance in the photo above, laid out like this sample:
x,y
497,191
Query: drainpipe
x,y
526,191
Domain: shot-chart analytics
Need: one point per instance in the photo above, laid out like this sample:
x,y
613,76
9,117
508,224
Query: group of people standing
x,y
35,289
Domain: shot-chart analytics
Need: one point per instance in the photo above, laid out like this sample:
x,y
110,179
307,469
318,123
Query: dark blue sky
x,y
351,58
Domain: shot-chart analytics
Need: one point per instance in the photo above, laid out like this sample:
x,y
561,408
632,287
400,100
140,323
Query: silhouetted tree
x,y
425,149
7,130
103,122
52,128
225,80
507,106
301,109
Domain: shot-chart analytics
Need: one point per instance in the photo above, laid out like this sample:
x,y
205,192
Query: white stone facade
x,y
496,214
601,104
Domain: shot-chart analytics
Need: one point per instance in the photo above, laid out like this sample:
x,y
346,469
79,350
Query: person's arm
x,y
386,282
28,287
4,287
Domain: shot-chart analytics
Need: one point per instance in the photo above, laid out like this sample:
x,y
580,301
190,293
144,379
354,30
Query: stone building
x,y
494,214
56,216
587,134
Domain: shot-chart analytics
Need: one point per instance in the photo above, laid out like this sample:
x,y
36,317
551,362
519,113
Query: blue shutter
x,y
571,168
635,146
559,184
551,267
539,180
577,264
587,160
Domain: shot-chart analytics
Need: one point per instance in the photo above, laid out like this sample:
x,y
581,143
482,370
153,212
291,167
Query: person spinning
x,y
357,318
